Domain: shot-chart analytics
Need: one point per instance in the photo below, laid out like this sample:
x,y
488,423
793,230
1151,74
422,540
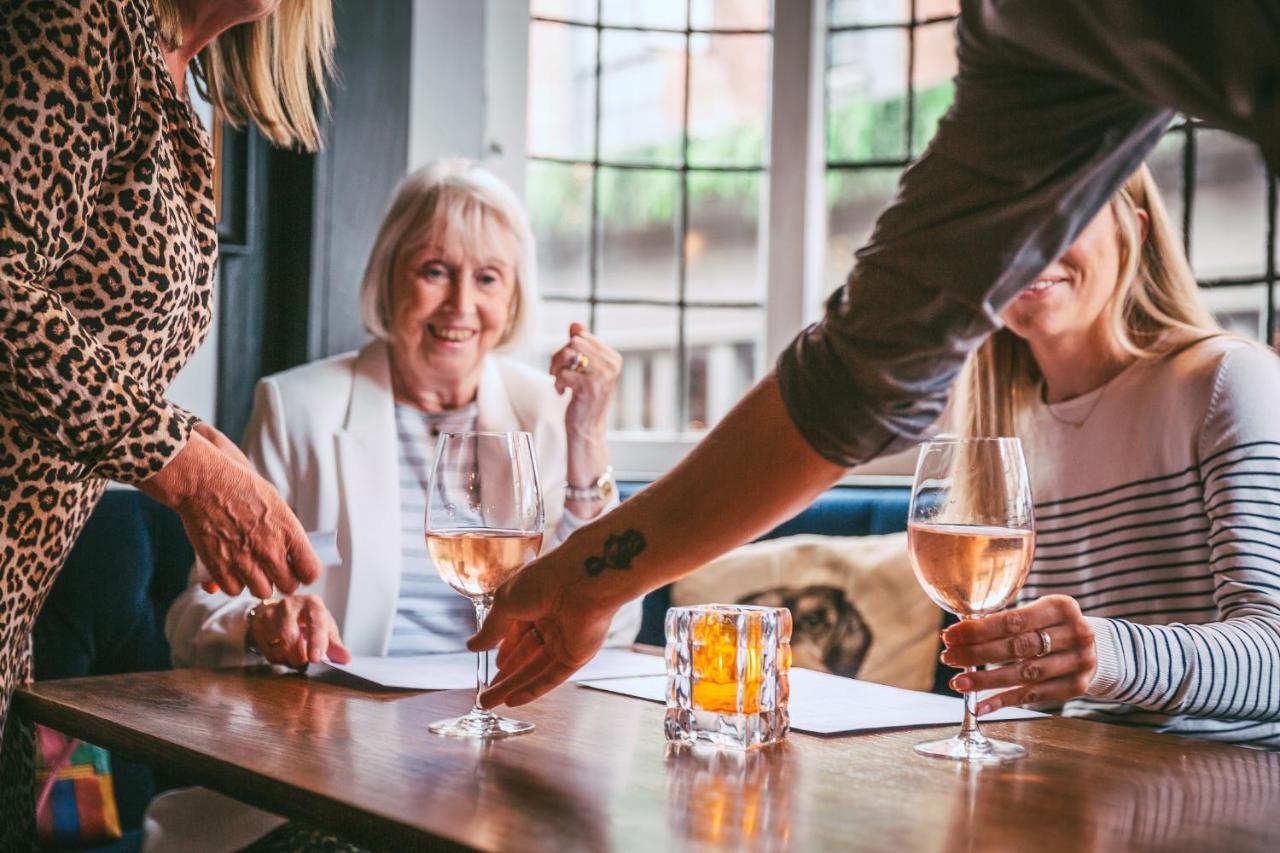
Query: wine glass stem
x,y
969,728
482,605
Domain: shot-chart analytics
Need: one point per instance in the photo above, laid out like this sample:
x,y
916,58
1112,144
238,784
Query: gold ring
x,y
1046,643
581,363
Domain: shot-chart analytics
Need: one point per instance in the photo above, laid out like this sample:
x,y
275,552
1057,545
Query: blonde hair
x,y
1157,294
450,201
267,71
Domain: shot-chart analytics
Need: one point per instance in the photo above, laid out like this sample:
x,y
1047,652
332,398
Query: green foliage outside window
x,y
639,199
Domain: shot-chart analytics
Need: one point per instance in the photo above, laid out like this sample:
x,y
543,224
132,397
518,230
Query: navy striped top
x,y
430,616
1160,515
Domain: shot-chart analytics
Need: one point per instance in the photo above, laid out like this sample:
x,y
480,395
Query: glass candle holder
x,y
727,675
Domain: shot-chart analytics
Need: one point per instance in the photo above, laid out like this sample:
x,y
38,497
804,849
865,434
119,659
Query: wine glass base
x,y
975,750
481,726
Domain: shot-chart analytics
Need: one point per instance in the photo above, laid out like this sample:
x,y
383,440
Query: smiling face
x,y
451,304
1070,298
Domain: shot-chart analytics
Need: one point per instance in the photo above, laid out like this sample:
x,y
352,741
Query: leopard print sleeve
x,y
70,103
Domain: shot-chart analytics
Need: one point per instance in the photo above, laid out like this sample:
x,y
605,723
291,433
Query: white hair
x,y
453,199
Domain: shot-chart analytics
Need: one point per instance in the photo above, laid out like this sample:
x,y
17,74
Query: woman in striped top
x,y
1153,441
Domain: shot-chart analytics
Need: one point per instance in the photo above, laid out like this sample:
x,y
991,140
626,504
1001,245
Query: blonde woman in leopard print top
x,y
107,250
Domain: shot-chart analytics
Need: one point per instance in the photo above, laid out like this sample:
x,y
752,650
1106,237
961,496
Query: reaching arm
x,y
207,627
680,522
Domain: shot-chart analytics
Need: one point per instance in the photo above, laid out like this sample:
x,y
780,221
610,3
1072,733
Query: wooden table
x,y
597,774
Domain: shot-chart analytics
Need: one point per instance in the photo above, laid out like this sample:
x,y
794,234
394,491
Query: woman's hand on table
x,y
1016,640
295,631
243,533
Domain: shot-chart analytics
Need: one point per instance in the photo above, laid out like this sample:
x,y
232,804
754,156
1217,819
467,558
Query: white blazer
x,y
324,435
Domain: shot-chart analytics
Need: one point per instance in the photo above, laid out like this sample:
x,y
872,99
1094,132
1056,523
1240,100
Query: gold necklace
x,y
1080,423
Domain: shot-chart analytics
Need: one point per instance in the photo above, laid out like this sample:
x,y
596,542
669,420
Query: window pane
x,y
574,10
866,89
670,14
551,330
559,202
722,346
935,65
728,99
639,221
1229,222
646,337
722,246
844,13
562,95
730,14
1166,167
642,97
1240,310
854,201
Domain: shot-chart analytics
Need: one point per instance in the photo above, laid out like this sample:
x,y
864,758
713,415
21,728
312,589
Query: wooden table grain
x,y
597,774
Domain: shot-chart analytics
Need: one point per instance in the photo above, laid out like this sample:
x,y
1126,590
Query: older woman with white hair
x,y
348,441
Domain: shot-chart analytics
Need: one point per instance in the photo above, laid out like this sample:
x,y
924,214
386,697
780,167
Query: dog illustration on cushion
x,y
827,631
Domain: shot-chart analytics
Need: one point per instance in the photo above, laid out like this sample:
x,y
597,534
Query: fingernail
x,y
947,658
984,708
961,683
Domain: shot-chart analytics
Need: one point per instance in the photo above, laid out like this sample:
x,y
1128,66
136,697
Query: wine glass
x,y
484,523
970,534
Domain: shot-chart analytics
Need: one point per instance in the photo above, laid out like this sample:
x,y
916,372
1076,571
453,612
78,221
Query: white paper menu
x,y
457,670
828,704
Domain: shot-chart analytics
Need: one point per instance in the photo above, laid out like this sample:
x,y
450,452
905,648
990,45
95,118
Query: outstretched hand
x,y
242,531
546,631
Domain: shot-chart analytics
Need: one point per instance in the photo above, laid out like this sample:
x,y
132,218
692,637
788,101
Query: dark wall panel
x,y
264,269
364,158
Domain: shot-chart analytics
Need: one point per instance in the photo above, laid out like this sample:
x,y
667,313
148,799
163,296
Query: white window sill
x,y
646,456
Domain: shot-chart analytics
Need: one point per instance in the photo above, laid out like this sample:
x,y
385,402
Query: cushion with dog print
x,y
856,607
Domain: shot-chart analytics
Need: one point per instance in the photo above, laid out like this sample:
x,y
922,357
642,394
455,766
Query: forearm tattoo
x,y
619,550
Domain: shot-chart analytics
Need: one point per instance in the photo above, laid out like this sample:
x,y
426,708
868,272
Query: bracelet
x,y
602,489
250,646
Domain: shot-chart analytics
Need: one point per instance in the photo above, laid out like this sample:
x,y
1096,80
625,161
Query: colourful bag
x,y
75,801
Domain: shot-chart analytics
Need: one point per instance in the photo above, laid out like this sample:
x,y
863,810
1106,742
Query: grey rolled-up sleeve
x,y
1054,109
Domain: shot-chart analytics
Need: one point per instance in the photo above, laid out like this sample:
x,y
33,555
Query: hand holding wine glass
x,y
1043,650
971,536
484,524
